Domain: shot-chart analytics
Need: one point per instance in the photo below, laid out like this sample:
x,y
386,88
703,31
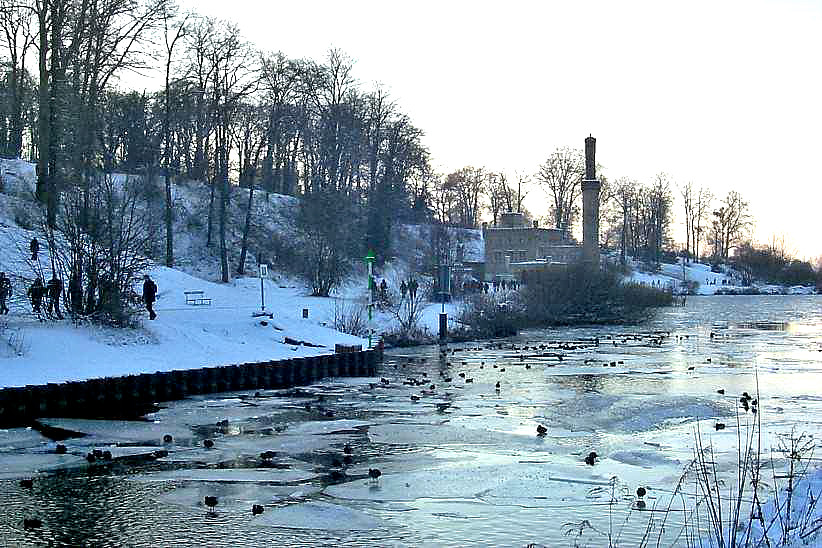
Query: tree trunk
x,y
223,210
167,162
246,229
44,116
169,218
210,213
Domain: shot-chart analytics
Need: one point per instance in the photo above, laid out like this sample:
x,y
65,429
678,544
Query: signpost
x,y
263,274
369,260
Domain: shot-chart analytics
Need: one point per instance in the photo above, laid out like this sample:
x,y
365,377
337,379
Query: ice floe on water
x,y
124,431
14,439
13,466
461,465
234,496
318,515
230,475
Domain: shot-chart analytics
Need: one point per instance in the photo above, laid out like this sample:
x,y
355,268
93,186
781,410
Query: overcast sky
x,y
722,93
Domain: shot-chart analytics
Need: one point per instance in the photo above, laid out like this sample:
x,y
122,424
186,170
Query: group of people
x,y
38,292
51,291
504,285
409,288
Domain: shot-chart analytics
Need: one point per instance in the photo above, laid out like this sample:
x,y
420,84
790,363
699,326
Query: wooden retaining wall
x,y
133,395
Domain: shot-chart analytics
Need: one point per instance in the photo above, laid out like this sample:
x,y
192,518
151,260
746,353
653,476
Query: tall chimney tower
x,y
590,206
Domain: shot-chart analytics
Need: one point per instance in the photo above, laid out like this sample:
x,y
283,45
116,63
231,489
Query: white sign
x,y
264,270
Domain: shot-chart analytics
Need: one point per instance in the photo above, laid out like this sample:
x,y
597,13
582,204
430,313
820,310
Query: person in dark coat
x,y
412,289
75,293
55,289
5,292
403,289
149,295
35,294
35,248
384,291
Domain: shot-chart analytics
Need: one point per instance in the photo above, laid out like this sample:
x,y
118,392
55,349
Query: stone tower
x,y
590,206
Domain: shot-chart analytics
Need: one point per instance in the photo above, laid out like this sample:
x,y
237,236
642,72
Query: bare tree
x,y
468,187
624,194
234,77
730,222
561,179
18,37
173,31
81,46
701,209
250,129
408,309
101,247
688,199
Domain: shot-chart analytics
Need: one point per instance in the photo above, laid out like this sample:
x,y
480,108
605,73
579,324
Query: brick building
x,y
515,245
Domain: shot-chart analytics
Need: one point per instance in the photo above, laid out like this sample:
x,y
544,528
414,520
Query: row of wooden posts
x,y
130,396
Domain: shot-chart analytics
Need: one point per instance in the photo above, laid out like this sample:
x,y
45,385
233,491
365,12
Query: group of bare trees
x,y
462,197
227,114
722,227
638,217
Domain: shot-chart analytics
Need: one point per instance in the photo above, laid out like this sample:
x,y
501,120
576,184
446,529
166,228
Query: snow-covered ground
x,y
709,283
183,336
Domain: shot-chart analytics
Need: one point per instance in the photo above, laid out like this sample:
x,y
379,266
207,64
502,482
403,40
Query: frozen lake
x,y
463,464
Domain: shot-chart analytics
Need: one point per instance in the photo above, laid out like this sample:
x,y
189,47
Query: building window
x,y
497,256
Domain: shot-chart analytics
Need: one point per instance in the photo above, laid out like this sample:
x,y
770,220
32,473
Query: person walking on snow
x,y
403,289
75,294
5,292
149,295
35,294
412,289
35,249
55,289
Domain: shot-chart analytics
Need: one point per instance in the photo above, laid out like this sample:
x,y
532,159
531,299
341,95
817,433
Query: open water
x,y
462,465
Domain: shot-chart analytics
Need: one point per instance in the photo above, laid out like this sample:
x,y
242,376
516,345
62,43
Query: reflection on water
x,y
461,462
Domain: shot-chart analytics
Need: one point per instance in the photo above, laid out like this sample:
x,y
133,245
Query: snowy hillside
x,y
183,336
709,283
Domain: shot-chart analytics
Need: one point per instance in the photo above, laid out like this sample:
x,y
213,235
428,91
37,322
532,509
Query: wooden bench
x,y
197,298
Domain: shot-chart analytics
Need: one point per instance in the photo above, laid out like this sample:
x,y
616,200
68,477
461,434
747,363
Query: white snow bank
x,y
182,337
